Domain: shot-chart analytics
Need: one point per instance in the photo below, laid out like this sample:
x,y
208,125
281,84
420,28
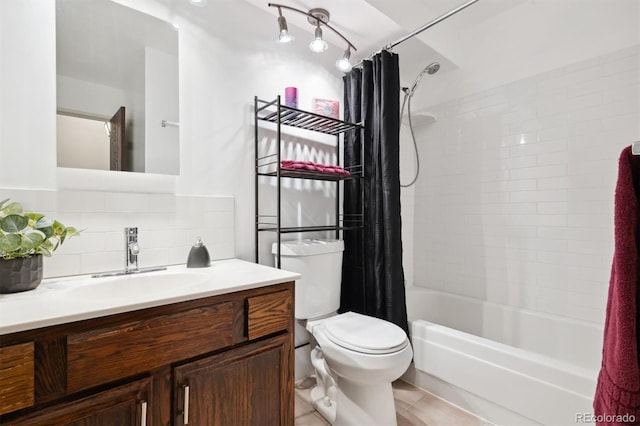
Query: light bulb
x,y
318,45
284,36
343,63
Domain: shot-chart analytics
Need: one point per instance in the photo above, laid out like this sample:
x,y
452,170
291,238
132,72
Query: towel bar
x,y
166,123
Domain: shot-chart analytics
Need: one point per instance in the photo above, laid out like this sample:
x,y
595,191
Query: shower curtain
x,y
372,273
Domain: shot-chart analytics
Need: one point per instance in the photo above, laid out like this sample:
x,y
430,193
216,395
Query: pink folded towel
x,y
328,168
298,162
293,165
309,165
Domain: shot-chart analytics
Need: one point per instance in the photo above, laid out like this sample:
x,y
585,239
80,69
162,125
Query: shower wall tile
x,y
168,225
515,203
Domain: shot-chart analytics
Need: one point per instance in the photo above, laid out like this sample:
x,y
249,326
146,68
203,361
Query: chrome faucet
x,y
131,252
132,249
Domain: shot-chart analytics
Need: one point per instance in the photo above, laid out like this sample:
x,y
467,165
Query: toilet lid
x,y
365,334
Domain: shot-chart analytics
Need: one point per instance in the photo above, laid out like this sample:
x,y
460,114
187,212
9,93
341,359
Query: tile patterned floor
x,y
414,406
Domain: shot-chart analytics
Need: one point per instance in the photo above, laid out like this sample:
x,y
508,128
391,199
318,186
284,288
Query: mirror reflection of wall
x,y
82,142
108,57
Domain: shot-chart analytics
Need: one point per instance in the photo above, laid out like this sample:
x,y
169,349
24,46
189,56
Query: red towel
x,y
617,398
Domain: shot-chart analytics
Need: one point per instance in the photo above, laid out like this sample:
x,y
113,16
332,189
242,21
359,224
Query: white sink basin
x,y
136,285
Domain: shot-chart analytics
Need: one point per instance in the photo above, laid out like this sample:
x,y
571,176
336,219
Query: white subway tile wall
x,y
515,202
168,226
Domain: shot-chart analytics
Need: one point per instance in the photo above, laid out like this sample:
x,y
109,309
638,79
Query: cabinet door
x,y
250,385
123,405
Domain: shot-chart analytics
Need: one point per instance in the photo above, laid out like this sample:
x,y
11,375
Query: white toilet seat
x,y
364,334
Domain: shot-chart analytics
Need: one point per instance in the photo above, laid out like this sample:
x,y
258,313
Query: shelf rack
x,y
275,112
269,165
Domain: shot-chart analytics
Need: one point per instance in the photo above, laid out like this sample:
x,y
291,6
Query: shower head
x,y
430,69
433,68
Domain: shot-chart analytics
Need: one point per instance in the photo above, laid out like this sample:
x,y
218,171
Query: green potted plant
x,y
24,239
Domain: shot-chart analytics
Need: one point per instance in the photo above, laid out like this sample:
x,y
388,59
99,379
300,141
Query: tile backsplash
x,y
515,202
168,225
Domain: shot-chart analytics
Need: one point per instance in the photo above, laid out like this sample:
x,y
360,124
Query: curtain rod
x,y
422,28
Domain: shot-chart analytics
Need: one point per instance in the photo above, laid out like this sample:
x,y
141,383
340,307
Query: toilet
x,y
355,356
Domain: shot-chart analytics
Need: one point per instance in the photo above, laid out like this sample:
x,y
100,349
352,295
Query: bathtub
x,y
507,365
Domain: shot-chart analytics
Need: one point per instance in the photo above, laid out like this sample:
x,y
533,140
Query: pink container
x,y
291,97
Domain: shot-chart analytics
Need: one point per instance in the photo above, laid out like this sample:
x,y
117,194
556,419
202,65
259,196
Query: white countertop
x,y
63,300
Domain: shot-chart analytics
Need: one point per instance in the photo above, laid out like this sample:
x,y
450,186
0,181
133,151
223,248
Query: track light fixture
x,y
317,17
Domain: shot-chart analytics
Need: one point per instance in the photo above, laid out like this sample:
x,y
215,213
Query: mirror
x,y
117,88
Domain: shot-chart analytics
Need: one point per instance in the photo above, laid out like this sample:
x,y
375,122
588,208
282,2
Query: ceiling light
x,y
318,45
316,17
284,36
199,3
343,63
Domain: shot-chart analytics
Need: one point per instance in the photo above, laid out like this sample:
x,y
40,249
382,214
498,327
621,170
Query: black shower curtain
x,y
372,273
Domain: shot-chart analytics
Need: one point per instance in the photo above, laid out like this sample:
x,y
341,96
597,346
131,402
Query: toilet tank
x,y
319,262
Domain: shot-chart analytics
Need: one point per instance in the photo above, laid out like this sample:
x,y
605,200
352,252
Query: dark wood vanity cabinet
x,y
222,360
239,387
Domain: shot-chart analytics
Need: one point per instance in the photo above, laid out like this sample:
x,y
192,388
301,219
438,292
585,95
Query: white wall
x,y
407,200
532,37
162,147
514,204
135,116
522,72
490,50
168,226
85,97
27,104
217,85
75,95
82,143
216,117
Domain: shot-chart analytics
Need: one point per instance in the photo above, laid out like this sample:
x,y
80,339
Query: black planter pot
x,y
20,274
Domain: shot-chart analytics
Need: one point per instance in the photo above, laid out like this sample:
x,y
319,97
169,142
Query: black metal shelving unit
x,y
270,165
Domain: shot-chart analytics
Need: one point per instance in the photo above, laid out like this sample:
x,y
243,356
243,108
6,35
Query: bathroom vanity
x,y
217,351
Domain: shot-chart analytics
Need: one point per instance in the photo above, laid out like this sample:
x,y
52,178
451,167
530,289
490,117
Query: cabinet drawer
x,y
269,313
124,405
102,355
16,377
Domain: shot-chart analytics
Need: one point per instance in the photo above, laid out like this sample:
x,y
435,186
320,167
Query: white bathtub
x,y
546,374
